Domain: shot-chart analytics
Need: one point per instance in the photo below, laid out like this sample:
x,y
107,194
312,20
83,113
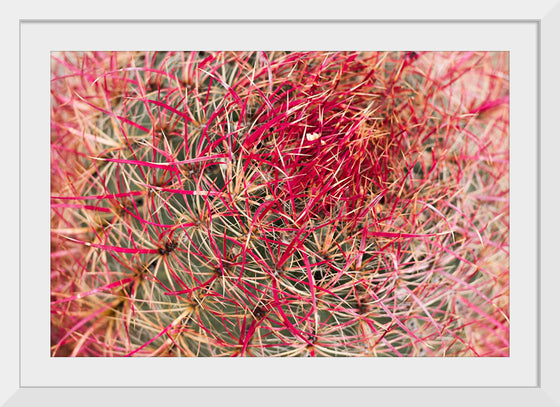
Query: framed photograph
x,y
333,207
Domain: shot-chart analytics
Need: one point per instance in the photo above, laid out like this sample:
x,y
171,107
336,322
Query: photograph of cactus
x,y
250,204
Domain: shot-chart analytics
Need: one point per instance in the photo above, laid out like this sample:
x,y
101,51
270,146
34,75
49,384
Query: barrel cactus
x,y
279,204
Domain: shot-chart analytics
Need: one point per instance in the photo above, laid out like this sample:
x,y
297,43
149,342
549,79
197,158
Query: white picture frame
x,y
26,381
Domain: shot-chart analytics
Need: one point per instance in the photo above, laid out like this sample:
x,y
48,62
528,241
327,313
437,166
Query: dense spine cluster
x,y
280,204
